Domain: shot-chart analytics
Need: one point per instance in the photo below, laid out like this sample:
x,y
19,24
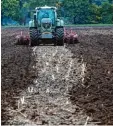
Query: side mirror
x,y
35,17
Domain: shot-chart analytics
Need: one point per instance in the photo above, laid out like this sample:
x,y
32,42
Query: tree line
x,y
72,11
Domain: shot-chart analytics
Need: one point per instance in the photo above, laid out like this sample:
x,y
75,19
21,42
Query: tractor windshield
x,y
46,13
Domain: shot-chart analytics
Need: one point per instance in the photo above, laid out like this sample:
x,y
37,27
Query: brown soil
x,y
16,70
94,96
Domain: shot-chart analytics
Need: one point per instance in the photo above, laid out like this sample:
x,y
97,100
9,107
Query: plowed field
x,y
58,85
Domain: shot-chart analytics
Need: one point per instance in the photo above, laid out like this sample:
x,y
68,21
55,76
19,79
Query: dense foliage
x,y
73,11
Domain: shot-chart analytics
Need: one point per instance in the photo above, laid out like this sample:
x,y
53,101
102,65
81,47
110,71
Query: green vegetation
x,y
90,25
72,11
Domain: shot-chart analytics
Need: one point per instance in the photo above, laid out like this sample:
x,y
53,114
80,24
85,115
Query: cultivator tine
x,y
71,30
21,33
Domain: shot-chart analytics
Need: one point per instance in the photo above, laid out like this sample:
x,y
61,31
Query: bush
x,y
107,13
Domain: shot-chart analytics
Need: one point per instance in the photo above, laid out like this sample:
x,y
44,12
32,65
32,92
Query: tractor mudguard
x,y
60,22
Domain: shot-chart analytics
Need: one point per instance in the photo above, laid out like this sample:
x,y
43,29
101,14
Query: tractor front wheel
x,y
59,36
33,36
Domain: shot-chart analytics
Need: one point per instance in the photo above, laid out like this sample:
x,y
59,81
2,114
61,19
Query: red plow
x,y
22,39
70,36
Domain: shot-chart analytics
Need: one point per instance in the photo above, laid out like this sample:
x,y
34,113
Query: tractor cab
x,y
46,13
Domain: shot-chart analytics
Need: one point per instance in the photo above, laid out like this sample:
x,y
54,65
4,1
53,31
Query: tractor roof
x,y
46,7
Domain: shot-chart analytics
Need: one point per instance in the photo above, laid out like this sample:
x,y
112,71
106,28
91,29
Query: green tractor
x,y
46,27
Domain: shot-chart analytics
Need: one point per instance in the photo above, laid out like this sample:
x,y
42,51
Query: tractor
x,y
46,27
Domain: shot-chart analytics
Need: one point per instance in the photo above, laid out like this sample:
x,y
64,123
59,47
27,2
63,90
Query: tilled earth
x,y
70,84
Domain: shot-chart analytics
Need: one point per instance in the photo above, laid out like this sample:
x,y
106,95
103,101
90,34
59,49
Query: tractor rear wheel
x,y
33,36
59,36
